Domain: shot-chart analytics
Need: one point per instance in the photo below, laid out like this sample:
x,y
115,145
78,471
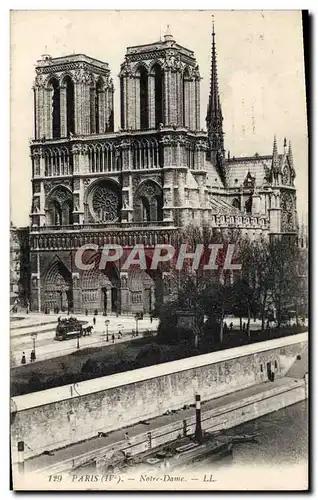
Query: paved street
x,y
45,325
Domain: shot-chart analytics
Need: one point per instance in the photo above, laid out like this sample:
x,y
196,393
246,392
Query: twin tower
x,y
159,86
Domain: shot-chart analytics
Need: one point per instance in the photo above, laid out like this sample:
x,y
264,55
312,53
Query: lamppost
x,y
34,337
78,337
107,323
137,318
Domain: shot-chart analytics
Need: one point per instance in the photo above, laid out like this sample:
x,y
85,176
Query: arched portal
x,y
101,289
145,290
58,287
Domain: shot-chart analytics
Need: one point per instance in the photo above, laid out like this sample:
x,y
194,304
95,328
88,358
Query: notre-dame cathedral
x,y
159,172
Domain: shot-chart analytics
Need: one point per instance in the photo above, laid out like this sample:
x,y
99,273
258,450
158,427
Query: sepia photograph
x,y
159,250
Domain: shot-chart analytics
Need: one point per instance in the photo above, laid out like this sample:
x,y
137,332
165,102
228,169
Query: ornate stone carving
x,y
48,185
288,212
39,81
125,70
105,204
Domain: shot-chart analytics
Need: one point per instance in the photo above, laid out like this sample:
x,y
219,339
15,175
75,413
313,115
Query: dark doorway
x,y
114,297
69,297
269,371
104,300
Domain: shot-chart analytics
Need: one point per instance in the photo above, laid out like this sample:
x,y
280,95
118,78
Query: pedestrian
x,y
119,335
23,360
32,356
94,321
59,319
150,319
133,333
127,438
113,338
231,326
244,326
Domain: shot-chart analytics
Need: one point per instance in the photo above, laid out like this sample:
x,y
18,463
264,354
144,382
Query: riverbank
x,y
218,414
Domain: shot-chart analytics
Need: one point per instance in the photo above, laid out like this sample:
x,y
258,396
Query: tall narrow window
x,y
143,98
97,106
56,109
70,119
158,94
122,104
185,99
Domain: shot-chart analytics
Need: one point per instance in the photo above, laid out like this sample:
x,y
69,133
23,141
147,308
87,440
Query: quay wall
x,y
58,417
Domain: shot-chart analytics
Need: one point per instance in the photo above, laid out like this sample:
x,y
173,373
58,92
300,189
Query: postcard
x,y
159,250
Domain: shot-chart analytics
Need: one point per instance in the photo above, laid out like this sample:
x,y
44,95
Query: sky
x,y
260,70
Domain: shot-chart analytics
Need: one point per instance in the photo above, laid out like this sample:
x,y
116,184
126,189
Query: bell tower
x,y
160,86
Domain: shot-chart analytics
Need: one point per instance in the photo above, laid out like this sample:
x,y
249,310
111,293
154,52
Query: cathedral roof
x,y
213,176
237,169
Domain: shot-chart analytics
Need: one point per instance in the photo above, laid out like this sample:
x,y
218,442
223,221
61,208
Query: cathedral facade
x,y
138,185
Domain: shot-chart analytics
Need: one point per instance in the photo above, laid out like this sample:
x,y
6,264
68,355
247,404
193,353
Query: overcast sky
x,y
260,68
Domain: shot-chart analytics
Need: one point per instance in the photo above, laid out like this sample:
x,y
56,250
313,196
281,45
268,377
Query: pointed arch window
x,y
143,98
70,118
158,94
56,109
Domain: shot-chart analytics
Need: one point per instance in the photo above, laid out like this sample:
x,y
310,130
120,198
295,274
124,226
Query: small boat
x,y
243,438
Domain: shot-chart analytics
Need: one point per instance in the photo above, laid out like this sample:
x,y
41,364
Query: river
x,y
281,450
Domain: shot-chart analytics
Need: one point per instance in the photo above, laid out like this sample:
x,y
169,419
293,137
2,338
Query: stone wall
x,y
57,417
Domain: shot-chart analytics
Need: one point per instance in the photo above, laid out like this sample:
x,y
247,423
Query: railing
x,y
106,225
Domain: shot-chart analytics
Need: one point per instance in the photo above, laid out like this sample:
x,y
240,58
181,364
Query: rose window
x,y
105,204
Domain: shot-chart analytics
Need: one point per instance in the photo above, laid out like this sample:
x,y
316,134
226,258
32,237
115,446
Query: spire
x,y
275,152
214,118
275,160
290,155
214,98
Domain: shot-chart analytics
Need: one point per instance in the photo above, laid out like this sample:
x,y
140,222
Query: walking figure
x,y
119,335
133,334
32,356
94,321
231,326
23,360
113,337
150,319
244,326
